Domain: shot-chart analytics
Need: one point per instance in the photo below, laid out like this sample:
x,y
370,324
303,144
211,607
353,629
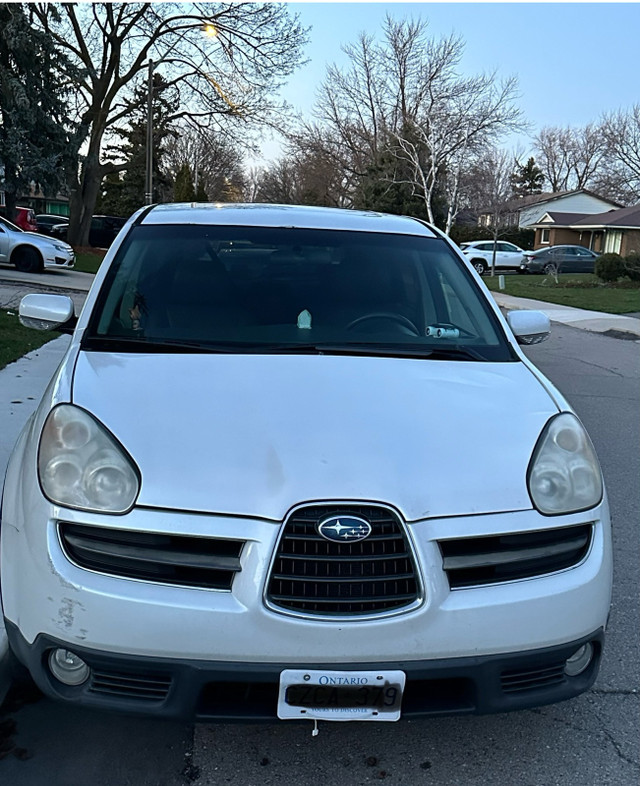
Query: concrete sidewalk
x,y
594,321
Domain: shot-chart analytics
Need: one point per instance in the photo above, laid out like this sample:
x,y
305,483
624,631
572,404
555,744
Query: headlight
x,y
61,247
81,465
564,474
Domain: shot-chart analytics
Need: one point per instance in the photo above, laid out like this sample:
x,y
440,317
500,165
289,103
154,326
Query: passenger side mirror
x,y
529,327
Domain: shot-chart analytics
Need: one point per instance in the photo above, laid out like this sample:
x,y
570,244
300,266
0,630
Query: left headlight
x,y
564,474
61,247
81,465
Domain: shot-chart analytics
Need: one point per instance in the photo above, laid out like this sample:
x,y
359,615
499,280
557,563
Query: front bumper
x,y
206,691
60,260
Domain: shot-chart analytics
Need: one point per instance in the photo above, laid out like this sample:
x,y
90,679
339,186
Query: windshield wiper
x,y
149,345
378,350
141,344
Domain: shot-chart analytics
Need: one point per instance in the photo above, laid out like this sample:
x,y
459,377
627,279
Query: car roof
x,y
562,245
297,216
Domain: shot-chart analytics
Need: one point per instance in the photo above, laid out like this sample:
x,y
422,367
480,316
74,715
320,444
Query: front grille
x,y
518,681
312,575
129,685
168,559
471,562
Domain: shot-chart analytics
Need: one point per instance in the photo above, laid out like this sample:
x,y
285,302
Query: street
x,y
590,740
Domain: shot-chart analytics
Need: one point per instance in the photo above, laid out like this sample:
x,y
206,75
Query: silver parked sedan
x,y
31,252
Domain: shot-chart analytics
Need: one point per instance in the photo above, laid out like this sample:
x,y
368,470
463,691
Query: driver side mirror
x,y
48,312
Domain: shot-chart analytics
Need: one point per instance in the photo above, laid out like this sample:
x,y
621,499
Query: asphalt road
x,y
592,740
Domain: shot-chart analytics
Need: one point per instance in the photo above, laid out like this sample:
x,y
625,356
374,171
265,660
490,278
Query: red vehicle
x,y
26,219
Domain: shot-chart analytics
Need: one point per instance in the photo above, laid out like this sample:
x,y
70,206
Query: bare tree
x,y
571,158
490,188
553,146
622,133
461,117
215,160
233,71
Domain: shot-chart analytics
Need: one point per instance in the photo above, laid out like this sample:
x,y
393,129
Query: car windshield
x,y
8,225
256,289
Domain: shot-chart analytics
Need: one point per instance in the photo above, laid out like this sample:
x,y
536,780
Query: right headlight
x,y
81,465
564,474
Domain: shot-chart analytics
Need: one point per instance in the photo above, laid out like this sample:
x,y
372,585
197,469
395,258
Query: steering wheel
x,y
399,318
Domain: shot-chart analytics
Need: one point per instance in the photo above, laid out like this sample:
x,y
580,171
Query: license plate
x,y
340,695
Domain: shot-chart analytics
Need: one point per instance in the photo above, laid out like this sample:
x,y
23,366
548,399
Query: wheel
x,y
27,259
480,265
550,268
401,320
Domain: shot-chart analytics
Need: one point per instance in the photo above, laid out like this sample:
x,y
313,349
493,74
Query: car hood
x,y
257,434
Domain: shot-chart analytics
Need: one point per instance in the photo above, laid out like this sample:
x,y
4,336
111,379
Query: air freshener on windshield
x,y
304,320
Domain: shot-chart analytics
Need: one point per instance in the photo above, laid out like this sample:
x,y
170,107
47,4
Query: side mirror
x,y
48,312
529,327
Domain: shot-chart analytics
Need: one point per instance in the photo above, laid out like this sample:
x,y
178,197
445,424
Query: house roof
x,y
624,218
549,196
559,219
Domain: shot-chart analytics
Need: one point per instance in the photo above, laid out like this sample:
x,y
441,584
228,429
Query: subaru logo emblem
x,y
344,529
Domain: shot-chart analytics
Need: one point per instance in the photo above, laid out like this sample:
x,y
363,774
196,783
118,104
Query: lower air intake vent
x,y
312,575
471,562
168,559
146,687
532,679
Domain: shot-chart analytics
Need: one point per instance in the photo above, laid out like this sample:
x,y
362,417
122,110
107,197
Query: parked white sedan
x,y
31,252
480,254
294,464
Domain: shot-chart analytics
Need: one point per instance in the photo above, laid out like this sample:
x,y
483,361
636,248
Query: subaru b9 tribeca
x,y
294,464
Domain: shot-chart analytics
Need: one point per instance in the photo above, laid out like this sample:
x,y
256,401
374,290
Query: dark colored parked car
x,y
46,222
102,233
564,259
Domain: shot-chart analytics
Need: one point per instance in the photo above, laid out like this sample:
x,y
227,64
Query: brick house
x,y
526,212
617,231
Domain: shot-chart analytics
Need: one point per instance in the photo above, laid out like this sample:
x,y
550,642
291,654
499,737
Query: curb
x,y
612,325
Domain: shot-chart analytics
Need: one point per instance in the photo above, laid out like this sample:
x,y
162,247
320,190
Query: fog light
x,y
579,661
68,668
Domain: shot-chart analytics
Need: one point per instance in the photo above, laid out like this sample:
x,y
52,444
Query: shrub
x,y
610,267
632,266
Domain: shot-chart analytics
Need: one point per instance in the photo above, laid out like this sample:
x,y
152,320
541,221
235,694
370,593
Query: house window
x,y
544,235
612,242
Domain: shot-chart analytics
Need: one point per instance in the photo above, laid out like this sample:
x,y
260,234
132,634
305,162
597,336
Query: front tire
x,y
480,266
27,260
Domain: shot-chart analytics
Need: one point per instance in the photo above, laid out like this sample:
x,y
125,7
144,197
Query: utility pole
x,y
149,177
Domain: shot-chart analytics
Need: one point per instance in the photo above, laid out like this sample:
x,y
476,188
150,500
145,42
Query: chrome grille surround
x,y
321,579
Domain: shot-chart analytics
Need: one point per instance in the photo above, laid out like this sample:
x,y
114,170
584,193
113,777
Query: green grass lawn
x,y
17,340
578,290
88,260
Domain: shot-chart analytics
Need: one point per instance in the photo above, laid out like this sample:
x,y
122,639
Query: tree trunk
x,y
83,201
493,255
10,205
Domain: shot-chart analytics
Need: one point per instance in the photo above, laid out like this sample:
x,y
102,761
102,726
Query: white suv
x,y
281,472
480,253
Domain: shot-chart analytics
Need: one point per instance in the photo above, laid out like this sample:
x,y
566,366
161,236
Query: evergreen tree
x,y
35,139
527,179
201,194
183,190
125,193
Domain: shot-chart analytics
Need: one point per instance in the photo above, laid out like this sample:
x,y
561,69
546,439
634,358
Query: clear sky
x,y
573,60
